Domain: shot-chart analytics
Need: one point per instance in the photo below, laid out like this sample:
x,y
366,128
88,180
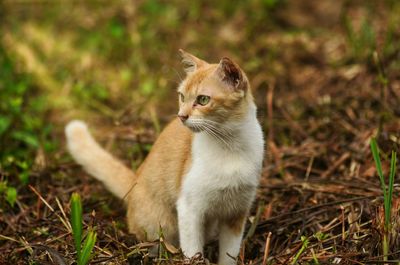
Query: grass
x,y
24,133
387,193
304,246
83,250
362,41
10,193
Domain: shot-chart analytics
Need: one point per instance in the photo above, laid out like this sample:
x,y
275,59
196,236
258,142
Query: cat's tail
x,y
96,161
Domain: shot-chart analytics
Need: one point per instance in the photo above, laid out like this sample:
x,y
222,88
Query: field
x,y
326,78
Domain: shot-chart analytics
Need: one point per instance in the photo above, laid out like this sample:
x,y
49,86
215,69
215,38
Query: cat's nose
x,y
183,117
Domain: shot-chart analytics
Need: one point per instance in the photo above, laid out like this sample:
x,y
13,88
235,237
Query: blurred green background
x,y
115,64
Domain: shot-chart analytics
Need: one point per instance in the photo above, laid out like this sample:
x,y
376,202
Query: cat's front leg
x,y
191,227
230,238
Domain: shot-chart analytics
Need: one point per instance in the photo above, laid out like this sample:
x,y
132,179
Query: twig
x,y
66,222
41,198
335,165
265,222
309,168
8,238
268,241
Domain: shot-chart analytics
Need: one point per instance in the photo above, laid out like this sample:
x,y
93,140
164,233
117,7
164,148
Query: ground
x,y
326,79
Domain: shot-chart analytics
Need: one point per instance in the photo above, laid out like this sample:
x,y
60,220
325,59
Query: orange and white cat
x,y
200,178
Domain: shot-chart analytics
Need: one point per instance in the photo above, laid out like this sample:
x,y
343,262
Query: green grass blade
x,y
391,183
76,221
305,241
87,248
386,198
11,195
375,154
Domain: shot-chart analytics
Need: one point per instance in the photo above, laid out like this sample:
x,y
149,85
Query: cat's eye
x,y
202,100
181,97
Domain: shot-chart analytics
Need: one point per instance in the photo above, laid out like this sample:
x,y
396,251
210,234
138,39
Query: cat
x,y
200,179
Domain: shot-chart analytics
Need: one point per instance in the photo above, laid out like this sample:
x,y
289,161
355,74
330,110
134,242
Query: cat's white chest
x,y
221,176
220,167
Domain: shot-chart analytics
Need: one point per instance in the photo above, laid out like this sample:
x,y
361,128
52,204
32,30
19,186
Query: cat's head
x,y
212,95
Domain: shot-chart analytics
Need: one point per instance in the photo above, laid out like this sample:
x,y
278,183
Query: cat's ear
x,y
231,74
190,62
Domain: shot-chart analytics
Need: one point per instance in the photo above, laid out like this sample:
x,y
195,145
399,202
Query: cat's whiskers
x,y
224,130
217,132
197,127
225,137
211,132
221,129
217,123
